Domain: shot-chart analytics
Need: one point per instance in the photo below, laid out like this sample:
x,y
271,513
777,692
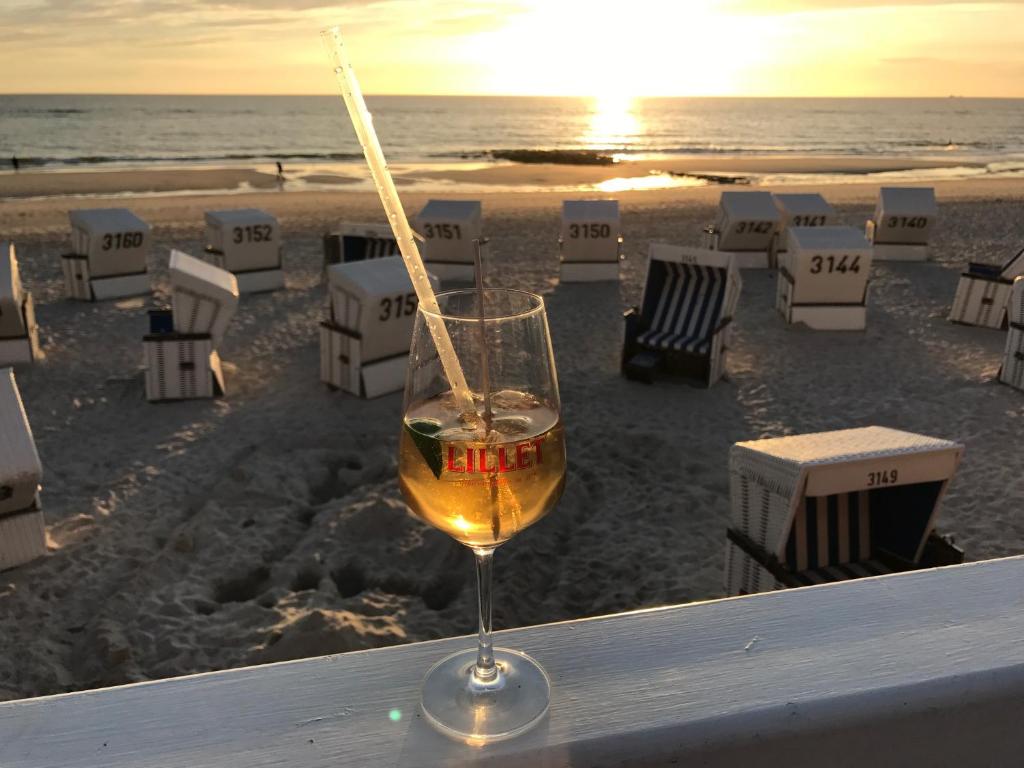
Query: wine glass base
x,y
479,714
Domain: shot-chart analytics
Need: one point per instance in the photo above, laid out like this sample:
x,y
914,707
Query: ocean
x,y
123,131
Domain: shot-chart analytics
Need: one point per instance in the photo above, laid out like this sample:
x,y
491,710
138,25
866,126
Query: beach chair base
x,y
886,252
981,301
340,366
589,272
182,366
260,281
22,349
823,317
1012,370
22,537
449,272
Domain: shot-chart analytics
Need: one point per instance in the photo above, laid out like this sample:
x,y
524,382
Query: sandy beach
x,y
268,525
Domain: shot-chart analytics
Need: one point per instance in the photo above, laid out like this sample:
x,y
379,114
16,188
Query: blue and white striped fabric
x,y
829,531
359,248
684,313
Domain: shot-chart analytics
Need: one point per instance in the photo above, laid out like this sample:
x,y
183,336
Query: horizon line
x,y
503,95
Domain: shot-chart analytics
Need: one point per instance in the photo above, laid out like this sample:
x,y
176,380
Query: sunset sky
x,y
577,47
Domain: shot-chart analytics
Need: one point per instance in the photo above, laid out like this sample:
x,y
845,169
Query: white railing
x,y
918,669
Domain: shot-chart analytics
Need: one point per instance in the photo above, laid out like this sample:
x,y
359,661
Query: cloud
x,y
777,7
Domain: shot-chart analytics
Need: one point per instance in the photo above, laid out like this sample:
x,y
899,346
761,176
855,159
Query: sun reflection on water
x,y
614,123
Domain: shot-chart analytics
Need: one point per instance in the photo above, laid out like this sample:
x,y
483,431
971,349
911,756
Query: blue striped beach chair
x,y
1012,370
984,291
818,508
682,324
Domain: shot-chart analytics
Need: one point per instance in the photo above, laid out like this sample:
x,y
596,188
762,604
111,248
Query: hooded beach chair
x,y
591,240
801,210
747,227
831,506
108,255
682,324
359,242
902,224
19,335
984,292
247,243
450,229
22,530
823,278
1012,370
181,348
364,344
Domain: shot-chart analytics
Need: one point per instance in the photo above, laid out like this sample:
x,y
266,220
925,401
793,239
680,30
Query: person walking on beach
x,y
15,164
280,171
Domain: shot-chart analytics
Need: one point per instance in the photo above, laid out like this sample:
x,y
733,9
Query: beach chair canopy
x,y
20,469
11,293
104,220
685,296
451,211
803,210
747,221
114,240
204,297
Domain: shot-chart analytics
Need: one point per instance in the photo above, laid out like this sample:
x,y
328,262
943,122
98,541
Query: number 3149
x,y
883,477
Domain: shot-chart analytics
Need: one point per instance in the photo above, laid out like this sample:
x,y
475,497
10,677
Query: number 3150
x,y
399,306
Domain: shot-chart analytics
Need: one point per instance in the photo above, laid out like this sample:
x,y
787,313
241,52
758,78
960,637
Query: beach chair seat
x,y
682,323
364,343
450,231
182,362
359,242
19,334
801,210
902,223
1012,370
746,226
810,509
590,242
108,254
22,528
983,292
823,278
247,243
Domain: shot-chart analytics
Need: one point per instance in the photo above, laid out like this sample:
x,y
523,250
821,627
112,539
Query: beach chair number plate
x,y
590,231
444,231
907,222
259,233
755,227
400,306
841,265
118,240
808,220
885,477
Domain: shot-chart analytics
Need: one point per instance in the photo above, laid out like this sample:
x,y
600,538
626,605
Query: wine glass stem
x,y
486,671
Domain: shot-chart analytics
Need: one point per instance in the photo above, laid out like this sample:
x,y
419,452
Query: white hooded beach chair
x,y
902,224
358,242
181,348
817,508
682,324
22,529
450,229
364,345
984,291
1012,370
823,278
19,334
801,210
108,255
590,241
747,227
247,243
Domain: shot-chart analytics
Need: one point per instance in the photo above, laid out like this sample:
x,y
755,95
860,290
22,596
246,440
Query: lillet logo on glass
x,y
466,459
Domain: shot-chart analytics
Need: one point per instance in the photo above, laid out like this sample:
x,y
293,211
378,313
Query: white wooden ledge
x,y
920,669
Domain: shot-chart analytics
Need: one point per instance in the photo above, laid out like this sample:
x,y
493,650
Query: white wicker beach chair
x,y
811,509
364,345
1012,370
682,324
902,224
247,243
823,278
22,529
747,227
358,242
590,241
801,210
19,334
108,255
182,362
450,229
984,292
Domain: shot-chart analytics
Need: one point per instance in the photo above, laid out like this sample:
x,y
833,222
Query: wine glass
x,y
482,478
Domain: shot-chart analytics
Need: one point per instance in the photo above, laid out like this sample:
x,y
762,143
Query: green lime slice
x,y
422,433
